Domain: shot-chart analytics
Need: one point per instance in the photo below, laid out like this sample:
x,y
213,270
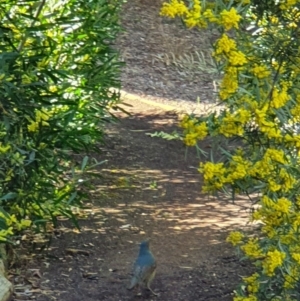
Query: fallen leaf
x,y
77,251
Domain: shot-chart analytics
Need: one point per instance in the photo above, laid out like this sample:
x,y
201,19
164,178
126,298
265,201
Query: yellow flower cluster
x,y
276,155
194,16
286,4
252,249
238,168
237,58
252,283
286,180
224,45
296,110
5,233
288,238
173,9
233,124
12,223
4,148
266,124
210,16
226,48
235,238
280,98
261,71
193,130
291,279
230,19
277,214
296,257
214,174
266,167
41,118
273,213
273,260
177,8
229,84
244,2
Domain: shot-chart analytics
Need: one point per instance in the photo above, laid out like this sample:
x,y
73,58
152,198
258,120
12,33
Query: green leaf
x,y
8,196
84,162
173,136
4,212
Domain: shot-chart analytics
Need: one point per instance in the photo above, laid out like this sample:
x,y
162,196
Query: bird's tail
x,y
133,283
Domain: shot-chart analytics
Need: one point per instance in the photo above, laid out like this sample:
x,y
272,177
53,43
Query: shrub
x,y
257,52
57,69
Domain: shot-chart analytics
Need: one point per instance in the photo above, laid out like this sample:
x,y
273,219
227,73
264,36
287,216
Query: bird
x,y
144,268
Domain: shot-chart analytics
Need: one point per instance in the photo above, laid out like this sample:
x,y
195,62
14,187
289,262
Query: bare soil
x,y
163,58
149,188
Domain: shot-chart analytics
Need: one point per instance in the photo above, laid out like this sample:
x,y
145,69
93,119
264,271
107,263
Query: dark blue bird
x,y
144,268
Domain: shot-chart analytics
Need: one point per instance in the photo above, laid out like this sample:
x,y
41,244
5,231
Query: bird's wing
x,y
139,274
144,272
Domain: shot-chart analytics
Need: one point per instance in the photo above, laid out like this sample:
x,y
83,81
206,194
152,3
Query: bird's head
x,y
144,246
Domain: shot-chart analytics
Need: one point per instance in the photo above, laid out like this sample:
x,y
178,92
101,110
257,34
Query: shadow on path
x,y
148,189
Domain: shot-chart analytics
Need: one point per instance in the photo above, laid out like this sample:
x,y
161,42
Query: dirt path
x,y
163,58
148,190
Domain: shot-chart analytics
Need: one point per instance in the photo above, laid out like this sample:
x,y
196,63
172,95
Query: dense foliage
x,y
57,71
258,53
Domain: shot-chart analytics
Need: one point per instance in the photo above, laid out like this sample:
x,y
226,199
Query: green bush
x,y
257,52
58,74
